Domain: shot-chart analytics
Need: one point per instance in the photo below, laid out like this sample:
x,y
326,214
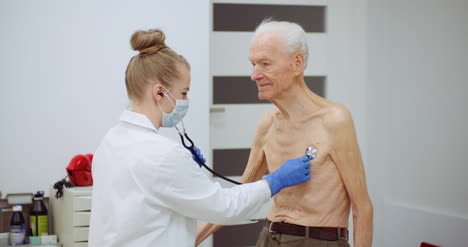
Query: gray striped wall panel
x,y
242,90
230,162
246,17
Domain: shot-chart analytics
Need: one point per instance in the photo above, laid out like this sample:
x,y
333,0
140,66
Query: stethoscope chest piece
x,y
311,152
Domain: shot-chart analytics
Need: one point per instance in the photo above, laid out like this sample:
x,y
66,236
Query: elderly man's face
x,y
272,65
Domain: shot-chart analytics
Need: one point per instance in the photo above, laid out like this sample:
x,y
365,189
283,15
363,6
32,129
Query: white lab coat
x,y
148,191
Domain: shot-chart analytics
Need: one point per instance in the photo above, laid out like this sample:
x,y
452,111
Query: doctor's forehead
x,y
184,79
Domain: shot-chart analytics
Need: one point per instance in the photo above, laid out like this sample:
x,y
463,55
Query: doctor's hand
x,y
291,173
198,153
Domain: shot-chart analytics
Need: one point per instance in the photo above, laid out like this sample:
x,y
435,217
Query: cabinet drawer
x,y
81,218
80,234
82,203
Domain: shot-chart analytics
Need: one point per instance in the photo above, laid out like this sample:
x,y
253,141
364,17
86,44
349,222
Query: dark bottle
x,y
38,216
17,227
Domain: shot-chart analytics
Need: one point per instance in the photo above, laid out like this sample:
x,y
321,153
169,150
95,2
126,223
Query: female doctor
x,y
147,189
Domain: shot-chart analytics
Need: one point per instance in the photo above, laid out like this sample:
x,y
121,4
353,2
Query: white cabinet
x,y
70,216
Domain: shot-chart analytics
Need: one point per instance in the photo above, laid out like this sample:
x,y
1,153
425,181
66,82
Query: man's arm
x,y
347,157
255,169
253,172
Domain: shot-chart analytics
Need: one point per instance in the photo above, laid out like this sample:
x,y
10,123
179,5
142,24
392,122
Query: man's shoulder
x,y
265,122
336,115
267,118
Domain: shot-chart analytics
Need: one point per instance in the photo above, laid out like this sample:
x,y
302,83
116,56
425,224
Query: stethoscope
x,y
311,152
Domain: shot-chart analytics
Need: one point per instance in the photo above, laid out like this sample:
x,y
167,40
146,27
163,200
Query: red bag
x,y
79,170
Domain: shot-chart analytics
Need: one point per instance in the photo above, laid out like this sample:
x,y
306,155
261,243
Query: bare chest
x,y
289,140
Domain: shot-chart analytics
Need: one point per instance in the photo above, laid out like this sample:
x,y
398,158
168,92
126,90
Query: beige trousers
x,y
267,239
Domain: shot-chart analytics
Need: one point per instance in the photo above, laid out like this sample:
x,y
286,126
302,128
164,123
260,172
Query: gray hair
x,y
293,34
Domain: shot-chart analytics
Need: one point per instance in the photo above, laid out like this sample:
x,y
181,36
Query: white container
x,y
4,239
71,214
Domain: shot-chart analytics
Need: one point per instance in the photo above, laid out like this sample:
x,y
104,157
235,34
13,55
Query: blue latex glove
x,y
291,173
200,156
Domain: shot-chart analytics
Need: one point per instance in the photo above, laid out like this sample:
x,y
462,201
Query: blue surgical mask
x,y
170,120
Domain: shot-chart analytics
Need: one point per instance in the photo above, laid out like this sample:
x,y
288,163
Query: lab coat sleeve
x,y
179,184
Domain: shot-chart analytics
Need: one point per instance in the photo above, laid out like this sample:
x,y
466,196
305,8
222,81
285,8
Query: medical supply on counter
x,y
39,219
34,240
19,198
44,240
49,239
17,226
4,237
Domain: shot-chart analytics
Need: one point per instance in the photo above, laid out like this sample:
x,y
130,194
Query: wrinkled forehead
x,y
267,45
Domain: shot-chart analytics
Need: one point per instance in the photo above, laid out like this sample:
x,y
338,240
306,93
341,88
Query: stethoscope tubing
x,y
199,160
311,152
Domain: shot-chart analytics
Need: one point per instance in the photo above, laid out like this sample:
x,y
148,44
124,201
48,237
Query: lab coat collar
x,y
137,119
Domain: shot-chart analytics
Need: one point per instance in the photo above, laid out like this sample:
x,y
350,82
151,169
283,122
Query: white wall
x,y
62,86
417,119
347,61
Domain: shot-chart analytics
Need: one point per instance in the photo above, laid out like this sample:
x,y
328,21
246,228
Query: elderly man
x,y
314,213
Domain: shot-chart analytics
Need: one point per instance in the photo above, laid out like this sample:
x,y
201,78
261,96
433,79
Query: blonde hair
x,y
156,61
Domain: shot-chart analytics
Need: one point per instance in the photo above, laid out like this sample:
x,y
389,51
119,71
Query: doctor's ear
x,y
158,90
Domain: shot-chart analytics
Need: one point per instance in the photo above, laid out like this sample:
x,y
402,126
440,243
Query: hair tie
x,y
152,49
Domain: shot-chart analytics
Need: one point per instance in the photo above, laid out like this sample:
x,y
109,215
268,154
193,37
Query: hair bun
x,y
148,42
